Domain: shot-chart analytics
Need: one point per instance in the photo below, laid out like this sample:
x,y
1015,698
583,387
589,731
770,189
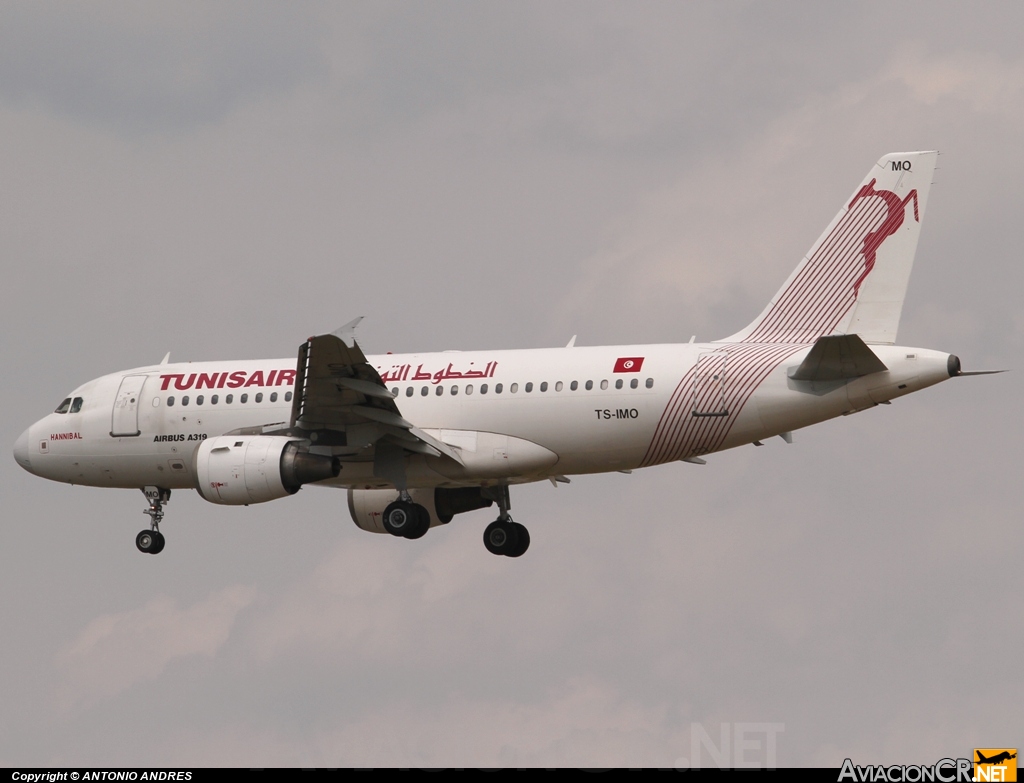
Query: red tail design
x,y
894,219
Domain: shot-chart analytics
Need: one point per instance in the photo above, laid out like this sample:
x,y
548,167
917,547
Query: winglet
x,y
347,333
571,342
166,359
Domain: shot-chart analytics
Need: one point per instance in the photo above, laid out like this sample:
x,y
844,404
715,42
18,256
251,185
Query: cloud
x,y
114,652
984,81
707,251
585,723
149,67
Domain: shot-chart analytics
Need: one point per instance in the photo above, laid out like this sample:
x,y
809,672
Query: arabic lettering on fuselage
x,y
401,372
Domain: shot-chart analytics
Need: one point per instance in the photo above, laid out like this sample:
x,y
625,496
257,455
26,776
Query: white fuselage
x,y
559,411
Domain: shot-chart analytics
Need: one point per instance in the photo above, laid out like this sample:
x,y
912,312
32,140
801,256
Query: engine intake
x,y
236,470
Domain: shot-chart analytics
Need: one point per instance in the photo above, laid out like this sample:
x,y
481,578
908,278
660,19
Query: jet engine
x,y
367,505
236,470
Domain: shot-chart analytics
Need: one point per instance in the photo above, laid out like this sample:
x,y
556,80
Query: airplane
x,y
999,758
418,439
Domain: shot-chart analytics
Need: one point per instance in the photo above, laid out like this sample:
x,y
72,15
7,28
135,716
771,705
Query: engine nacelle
x,y
237,470
367,505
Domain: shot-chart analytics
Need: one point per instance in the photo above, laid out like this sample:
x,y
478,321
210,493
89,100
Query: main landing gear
x,y
151,541
406,519
503,536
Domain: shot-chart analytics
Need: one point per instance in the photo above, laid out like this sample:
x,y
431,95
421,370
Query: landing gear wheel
x,y
421,524
501,537
158,544
406,520
398,517
146,541
523,542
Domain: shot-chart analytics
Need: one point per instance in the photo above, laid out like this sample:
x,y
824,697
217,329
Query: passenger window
x,y
544,386
558,386
529,387
214,399
394,391
590,385
259,397
408,391
650,383
244,398
424,391
76,405
574,386
229,399
63,407
634,383
497,388
618,383
469,389
170,402
455,390
184,400
604,385
199,400
514,388
273,396
440,391
483,388
287,396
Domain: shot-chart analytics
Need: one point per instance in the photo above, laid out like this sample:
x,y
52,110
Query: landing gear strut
x,y
151,541
406,519
503,536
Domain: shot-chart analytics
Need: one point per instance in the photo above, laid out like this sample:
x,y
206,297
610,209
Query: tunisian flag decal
x,y
629,364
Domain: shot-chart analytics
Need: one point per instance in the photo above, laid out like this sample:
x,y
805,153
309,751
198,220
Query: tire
x,y
422,523
522,541
399,518
145,541
500,537
158,545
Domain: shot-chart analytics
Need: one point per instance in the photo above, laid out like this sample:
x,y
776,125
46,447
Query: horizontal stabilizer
x,y
837,357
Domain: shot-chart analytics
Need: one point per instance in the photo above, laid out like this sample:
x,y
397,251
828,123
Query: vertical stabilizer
x,y
854,279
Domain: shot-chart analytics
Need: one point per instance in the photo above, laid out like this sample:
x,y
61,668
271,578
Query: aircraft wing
x,y
341,397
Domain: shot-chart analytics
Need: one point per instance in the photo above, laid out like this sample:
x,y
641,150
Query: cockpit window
x,y
63,407
76,405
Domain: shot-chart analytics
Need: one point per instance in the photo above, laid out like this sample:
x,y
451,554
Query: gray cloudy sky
x,y
223,180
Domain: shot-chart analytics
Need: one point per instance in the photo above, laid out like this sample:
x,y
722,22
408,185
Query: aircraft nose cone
x,y
21,451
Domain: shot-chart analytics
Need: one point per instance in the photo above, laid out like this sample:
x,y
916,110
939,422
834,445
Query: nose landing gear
x,y
151,542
